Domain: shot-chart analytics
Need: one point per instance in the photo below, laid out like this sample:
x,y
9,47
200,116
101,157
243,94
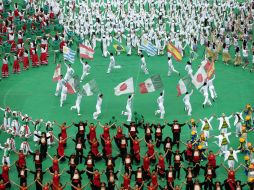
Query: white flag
x,y
125,87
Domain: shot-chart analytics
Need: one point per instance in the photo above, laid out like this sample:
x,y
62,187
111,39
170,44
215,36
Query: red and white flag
x,y
86,52
57,73
72,85
125,87
200,77
183,86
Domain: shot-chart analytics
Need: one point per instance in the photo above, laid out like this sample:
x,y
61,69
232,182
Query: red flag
x,y
57,73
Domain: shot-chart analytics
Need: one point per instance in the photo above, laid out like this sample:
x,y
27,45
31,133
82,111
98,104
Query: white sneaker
x,y
79,114
122,112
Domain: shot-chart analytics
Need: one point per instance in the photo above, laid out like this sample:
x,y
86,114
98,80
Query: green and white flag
x,y
90,88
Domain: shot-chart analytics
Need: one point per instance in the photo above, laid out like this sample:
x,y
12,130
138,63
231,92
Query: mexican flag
x,y
86,52
183,86
125,87
200,77
57,73
73,85
90,88
151,84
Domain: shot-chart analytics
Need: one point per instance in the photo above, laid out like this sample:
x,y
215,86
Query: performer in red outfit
x,y
43,57
16,65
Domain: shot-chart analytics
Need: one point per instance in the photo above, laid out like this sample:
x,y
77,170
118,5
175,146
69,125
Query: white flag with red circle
x,y
125,87
200,77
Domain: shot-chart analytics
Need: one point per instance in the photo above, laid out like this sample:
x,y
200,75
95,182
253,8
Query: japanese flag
x,y
125,87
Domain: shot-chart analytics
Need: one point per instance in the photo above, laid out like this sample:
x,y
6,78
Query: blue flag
x,y
69,54
148,47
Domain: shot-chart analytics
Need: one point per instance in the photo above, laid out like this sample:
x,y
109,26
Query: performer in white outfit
x,y
78,101
238,123
224,123
171,68
98,106
204,91
112,64
7,118
69,72
223,141
143,65
231,157
25,147
86,69
206,126
160,102
63,94
187,104
6,156
128,111
211,88
59,85
188,69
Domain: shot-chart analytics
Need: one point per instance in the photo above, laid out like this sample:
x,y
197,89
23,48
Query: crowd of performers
x,y
130,168
28,29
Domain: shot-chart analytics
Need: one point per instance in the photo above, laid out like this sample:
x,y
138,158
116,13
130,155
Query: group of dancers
x,y
137,155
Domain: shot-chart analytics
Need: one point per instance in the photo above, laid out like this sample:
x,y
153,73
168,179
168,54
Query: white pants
x,y
112,66
84,75
15,126
223,148
188,108
207,100
238,129
206,133
161,110
62,99
144,69
224,130
6,159
104,51
231,164
172,70
212,92
77,106
97,113
7,123
128,113
129,50
58,89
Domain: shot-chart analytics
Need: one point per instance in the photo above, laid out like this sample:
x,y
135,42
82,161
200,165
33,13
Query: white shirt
x,y
99,102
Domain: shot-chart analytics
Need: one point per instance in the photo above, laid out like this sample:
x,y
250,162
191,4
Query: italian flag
x,y
90,88
57,73
151,84
86,52
73,85
125,87
183,86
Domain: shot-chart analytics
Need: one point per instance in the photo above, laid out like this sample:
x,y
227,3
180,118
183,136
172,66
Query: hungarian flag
x,y
86,52
200,77
175,52
151,84
125,87
90,88
73,85
210,68
57,73
183,86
